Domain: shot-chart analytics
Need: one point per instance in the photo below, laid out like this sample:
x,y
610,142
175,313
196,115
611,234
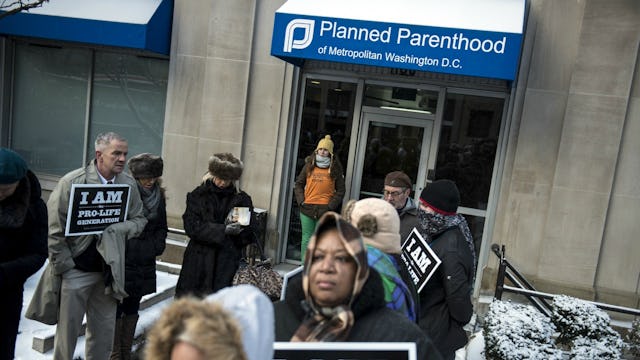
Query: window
x,y
65,96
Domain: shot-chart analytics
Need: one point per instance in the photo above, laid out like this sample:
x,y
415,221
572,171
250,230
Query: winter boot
x,y
128,334
117,335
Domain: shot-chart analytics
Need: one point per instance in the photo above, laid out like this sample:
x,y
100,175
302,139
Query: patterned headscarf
x,y
332,323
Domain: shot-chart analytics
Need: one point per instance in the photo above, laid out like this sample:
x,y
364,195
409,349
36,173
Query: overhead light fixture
x,y
407,110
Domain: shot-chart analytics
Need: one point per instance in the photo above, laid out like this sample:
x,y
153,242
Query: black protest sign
x,y
420,260
344,351
93,207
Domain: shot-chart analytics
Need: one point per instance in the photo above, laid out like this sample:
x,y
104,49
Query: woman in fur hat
x,y
216,237
319,188
141,252
340,298
23,241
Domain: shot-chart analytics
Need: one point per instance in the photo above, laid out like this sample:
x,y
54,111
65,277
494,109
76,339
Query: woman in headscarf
x,y
141,252
319,188
216,234
339,298
445,300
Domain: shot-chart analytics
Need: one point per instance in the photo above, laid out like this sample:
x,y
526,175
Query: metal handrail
x,y
510,272
537,298
177,231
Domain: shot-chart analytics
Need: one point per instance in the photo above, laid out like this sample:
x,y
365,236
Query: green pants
x,y
308,227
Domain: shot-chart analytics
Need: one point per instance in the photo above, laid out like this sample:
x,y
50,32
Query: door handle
x,y
431,174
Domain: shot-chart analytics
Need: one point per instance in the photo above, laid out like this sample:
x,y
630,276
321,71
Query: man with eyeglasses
x,y
397,191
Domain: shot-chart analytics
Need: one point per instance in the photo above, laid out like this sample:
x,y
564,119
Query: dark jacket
x,y
445,301
23,250
337,174
408,219
374,322
212,258
141,253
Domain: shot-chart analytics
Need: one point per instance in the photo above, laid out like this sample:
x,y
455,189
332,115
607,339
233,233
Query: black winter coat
x,y
445,301
23,250
212,258
374,322
141,253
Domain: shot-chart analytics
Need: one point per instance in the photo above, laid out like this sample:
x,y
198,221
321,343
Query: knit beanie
x,y
12,167
326,143
398,179
379,223
225,166
442,196
254,312
353,244
146,166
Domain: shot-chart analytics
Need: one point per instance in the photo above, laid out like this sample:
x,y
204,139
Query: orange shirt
x,y
320,187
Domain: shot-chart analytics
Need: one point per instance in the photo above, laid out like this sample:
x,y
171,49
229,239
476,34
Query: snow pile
x,y
516,331
586,329
633,338
576,330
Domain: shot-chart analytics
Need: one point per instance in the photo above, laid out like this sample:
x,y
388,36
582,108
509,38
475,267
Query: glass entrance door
x,y
391,140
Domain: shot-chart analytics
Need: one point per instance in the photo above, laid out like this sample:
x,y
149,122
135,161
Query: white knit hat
x,y
379,223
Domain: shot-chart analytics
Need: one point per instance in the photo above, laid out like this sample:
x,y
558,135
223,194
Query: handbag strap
x,y
255,244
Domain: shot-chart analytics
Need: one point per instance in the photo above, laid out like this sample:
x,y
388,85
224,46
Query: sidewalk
x,y
29,328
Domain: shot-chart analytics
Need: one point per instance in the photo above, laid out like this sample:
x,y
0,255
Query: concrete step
x,y
43,341
176,244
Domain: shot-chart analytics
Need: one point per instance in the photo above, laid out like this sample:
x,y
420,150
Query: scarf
x,y
13,210
433,224
332,323
323,162
150,201
396,293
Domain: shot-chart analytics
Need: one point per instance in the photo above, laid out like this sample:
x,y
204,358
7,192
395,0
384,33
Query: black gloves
x,y
233,229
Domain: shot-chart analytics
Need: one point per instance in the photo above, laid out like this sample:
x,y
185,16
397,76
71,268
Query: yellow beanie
x,y
326,143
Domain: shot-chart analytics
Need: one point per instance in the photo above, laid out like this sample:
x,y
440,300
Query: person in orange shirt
x,y
319,188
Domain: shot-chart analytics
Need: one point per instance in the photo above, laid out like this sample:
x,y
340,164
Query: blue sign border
x,y
403,46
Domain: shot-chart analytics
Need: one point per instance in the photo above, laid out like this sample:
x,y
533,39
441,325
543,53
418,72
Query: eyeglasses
x,y
392,193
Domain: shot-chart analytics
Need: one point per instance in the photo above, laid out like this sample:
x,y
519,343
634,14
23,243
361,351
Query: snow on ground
x,y
29,328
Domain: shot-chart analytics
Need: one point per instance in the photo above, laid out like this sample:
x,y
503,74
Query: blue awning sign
x,y
455,46
137,24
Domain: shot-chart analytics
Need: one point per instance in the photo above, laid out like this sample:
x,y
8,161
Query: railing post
x,y
502,268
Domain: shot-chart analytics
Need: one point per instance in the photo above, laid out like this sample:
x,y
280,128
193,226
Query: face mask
x,y
431,224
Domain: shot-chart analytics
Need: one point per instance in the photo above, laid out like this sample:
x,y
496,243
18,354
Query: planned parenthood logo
x,y
290,43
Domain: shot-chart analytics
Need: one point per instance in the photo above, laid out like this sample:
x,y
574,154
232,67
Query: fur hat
x,y
379,223
326,143
225,166
12,167
398,179
442,196
145,166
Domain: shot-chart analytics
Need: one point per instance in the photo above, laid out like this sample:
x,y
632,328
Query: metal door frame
x,y
397,117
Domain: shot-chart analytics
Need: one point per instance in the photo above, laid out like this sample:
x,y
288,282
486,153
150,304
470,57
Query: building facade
x,y
545,160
